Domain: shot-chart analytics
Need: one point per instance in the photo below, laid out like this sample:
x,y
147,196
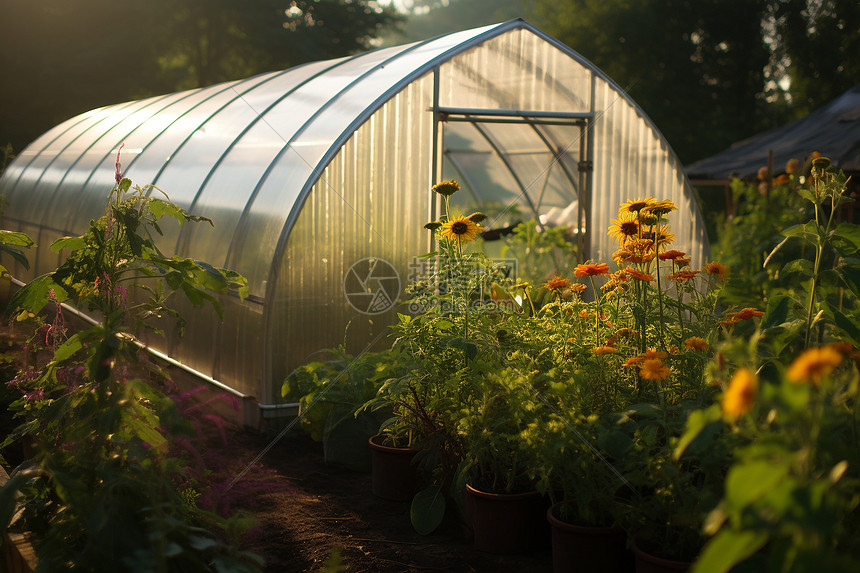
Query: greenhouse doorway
x,y
517,167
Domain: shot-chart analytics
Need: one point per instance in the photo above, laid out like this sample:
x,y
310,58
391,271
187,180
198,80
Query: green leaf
x,y
33,296
160,208
778,308
16,254
848,327
803,266
749,481
465,345
697,421
849,270
68,348
444,324
71,243
427,510
16,238
849,232
728,548
615,443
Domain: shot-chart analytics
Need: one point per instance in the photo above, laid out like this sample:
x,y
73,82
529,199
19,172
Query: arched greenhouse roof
x,y
311,172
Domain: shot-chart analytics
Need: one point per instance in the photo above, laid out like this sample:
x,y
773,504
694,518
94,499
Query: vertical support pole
x,y
436,165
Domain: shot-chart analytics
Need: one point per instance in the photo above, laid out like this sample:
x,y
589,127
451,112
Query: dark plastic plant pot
x,y
647,563
585,548
506,522
393,474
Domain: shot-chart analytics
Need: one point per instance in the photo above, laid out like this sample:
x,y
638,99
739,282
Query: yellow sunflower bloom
x,y
460,229
740,395
634,205
814,364
624,227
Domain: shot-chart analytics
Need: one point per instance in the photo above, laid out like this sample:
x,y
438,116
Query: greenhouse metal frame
x,y
318,181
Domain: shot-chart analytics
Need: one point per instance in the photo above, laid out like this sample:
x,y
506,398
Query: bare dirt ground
x,y
305,508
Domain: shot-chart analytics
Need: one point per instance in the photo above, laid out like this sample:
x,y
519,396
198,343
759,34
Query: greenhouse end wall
x,y
310,171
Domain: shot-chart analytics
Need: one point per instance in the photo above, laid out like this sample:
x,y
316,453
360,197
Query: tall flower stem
x,y
655,235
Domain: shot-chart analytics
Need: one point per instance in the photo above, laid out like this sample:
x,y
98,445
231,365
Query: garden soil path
x,y
304,508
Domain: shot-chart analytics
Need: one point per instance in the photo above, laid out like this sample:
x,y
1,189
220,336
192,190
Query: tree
x,y
60,59
694,66
819,42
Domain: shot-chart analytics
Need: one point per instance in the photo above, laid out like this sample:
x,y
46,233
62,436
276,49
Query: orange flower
x,y
672,255
814,364
591,270
748,313
653,369
781,179
715,268
683,276
578,288
653,354
681,263
557,283
740,395
604,350
637,274
696,344
632,361
583,314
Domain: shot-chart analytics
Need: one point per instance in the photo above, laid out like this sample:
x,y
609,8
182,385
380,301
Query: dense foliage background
x,y
708,72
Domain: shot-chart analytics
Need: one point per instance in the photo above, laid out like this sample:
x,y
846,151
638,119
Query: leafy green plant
x,y
108,485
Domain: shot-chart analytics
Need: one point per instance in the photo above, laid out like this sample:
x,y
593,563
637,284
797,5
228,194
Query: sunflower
x,y
624,227
446,188
718,269
814,364
460,229
663,238
634,205
739,396
556,283
591,270
653,369
661,208
696,344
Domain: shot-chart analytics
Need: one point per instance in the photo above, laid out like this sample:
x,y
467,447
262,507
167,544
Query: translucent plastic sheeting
x,y
310,171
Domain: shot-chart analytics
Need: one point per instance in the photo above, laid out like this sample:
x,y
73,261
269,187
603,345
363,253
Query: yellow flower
x,y
460,229
653,369
578,288
660,208
624,227
739,396
634,205
814,364
696,344
663,238
446,188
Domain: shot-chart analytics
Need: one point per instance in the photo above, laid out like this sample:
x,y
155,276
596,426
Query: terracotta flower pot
x,y
585,548
506,523
393,474
647,563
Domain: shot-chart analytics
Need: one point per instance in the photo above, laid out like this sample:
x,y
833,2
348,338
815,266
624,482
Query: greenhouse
x,y
318,180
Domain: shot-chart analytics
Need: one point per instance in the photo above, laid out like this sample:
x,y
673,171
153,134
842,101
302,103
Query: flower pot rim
x,y
391,449
491,495
583,529
639,552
